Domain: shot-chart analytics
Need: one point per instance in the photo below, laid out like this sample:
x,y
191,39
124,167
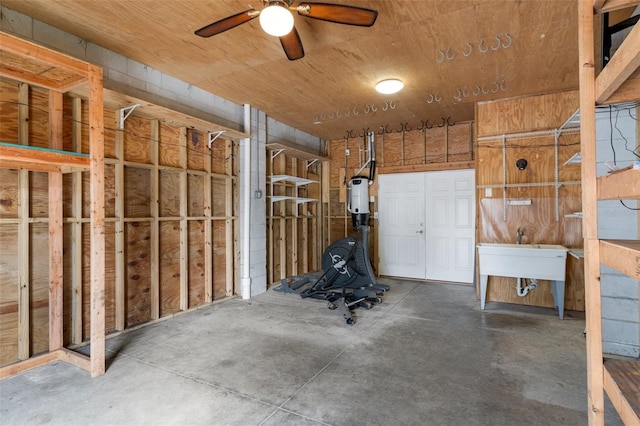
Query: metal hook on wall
x,y
430,100
440,56
484,91
352,134
504,46
422,125
449,123
392,105
366,109
503,86
495,90
458,96
497,46
427,125
364,133
338,115
438,98
449,57
482,50
384,129
374,108
465,92
386,106
443,123
477,90
470,46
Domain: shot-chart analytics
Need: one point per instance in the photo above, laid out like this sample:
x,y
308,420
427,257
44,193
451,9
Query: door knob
x,y
420,232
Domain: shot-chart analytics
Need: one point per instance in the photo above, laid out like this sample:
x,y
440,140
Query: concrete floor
x,y
426,356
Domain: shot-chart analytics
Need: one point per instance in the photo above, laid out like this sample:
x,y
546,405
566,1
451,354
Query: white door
x,y
450,225
401,237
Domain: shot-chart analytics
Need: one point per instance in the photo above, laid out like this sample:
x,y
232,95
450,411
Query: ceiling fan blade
x,y
227,23
292,45
339,13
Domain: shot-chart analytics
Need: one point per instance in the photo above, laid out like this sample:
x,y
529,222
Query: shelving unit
x,y
294,210
619,378
30,64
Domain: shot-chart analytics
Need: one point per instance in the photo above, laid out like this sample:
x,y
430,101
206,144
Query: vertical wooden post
x,y
24,238
593,307
120,271
184,223
96,143
282,207
229,243
294,221
208,229
155,224
76,229
56,242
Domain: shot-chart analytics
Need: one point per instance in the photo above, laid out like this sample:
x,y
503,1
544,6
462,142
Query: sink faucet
x,y
519,235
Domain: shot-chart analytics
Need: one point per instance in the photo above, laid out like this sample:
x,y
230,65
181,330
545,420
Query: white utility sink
x,y
539,261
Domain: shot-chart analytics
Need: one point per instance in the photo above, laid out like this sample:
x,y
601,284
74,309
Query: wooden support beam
x,y
76,228
24,237
155,224
229,240
184,224
40,159
208,230
294,224
120,264
602,6
593,304
56,241
96,143
623,63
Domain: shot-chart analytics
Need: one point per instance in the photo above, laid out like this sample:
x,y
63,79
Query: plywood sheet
x,y
137,133
196,263
137,184
218,197
39,194
169,267
195,205
39,288
137,273
169,149
38,117
219,258
197,149
8,111
169,193
8,193
8,293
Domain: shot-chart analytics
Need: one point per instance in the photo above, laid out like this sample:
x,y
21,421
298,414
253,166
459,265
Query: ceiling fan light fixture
x,y
276,19
389,86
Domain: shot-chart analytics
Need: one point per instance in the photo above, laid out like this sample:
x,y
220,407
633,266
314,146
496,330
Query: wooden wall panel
x,y
8,111
8,293
8,194
196,263
39,188
525,114
137,184
169,149
435,144
169,193
39,117
195,185
39,288
197,149
137,280
219,157
414,148
219,259
137,133
169,267
392,153
459,142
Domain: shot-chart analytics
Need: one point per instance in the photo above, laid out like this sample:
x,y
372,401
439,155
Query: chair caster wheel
x,y
350,321
366,304
332,306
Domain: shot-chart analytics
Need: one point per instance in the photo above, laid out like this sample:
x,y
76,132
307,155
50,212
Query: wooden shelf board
x,y
13,156
622,255
152,106
296,151
299,181
622,383
623,184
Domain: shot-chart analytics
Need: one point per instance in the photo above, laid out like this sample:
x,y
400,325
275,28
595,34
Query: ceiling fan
x,y
277,20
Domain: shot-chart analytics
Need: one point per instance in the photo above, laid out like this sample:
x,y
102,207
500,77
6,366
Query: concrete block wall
x,y
173,91
616,132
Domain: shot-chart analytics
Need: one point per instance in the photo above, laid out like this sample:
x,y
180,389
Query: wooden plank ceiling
x,y
450,54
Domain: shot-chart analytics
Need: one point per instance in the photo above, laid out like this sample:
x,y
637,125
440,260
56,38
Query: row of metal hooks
x,y
481,89
499,43
404,127
356,110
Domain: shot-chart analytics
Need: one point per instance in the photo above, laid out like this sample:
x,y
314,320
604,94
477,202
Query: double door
x,y
427,225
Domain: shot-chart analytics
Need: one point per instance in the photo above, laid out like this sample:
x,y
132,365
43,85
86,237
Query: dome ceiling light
x,y
389,86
